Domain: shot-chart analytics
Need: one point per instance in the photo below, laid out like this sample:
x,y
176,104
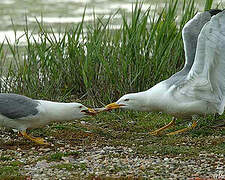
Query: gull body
x,y
199,88
22,113
160,99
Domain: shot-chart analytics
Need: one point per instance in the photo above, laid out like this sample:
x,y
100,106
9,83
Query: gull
x,y
199,88
21,113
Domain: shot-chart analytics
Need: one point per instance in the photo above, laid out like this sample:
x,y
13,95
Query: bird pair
x,y
198,89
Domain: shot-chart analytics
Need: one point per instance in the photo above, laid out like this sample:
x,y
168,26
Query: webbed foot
x,y
194,124
37,140
158,131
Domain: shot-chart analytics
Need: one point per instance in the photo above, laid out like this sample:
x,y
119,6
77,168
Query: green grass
x,y
90,59
57,156
94,63
127,129
208,4
131,129
5,158
8,170
97,65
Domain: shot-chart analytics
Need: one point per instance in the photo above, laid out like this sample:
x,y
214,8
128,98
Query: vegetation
x,y
99,64
90,59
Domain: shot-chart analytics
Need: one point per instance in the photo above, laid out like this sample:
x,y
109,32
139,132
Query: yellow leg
x,y
194,124
158,131
37,140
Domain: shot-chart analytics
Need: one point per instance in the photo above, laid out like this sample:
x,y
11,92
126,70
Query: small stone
x,y
42,164
166,159
30,152
142,167
44,149
83,161
219,168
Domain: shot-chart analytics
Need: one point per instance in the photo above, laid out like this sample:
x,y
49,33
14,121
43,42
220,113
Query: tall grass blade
x,y
208,4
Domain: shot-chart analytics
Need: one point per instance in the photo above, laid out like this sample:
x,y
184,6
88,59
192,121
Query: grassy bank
x,y
95,62
97,65
202,147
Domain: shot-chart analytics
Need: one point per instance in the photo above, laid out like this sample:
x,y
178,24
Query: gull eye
x,y
80,107
126,99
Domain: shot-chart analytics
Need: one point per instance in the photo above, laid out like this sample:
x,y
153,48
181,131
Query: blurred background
x,y
95,50
14,14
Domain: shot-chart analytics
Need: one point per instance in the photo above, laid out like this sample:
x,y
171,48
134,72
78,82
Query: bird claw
x,y
193,125
158,131
155,133
41,141
37,140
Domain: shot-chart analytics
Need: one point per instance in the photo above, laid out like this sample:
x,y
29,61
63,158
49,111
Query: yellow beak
x,y
113,106
90,111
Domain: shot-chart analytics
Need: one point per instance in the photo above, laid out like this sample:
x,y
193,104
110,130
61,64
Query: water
x,y
14,14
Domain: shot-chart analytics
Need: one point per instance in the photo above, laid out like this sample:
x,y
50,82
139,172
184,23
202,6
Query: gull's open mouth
x,y
89,111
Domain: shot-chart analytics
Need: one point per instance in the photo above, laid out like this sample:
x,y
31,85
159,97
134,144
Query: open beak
x,y
113,106
89,111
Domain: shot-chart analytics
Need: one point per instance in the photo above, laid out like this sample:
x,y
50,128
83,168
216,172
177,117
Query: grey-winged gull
x,y
199,88
22,113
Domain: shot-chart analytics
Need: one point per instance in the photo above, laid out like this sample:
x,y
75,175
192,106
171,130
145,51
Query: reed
x,y
95,62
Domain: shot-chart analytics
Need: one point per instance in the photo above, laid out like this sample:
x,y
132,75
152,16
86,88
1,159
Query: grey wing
x,y
190,33
16,106
206,79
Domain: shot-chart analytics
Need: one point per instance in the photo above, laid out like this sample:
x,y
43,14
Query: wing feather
x,y
16,106
190,33
206,79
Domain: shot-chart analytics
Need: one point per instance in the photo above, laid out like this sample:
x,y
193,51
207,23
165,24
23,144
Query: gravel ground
x,y
63,161
128,163
115,162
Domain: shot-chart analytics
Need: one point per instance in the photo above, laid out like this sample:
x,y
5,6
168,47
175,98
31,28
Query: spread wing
x,y
190,33
206,79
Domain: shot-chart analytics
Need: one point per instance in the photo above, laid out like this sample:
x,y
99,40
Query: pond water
x,y
14,14
58,14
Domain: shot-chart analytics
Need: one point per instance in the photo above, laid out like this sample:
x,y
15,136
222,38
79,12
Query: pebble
x,y
113,162
101,163
45,149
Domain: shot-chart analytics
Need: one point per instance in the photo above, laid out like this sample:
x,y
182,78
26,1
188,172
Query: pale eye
x,y
126,99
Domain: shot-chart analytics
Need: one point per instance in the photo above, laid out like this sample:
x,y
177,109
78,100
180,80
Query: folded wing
x,y
15,106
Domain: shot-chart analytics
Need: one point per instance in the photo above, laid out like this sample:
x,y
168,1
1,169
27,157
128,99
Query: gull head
x,y
133,101
79,111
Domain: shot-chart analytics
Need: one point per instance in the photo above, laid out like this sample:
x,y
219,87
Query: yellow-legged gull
x,y
22,113
199,88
